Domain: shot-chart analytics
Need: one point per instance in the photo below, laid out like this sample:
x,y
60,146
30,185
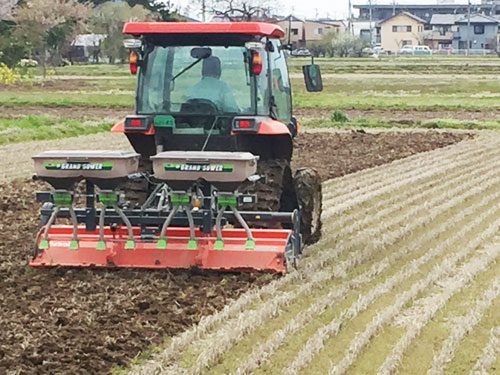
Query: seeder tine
x,y
44,244
73,244
100,245
161,243
192,244
219,244
130,245
250,244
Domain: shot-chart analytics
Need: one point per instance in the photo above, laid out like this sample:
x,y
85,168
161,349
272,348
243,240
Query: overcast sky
x,y
337,9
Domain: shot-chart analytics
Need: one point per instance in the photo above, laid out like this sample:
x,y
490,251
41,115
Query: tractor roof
x,y
248,28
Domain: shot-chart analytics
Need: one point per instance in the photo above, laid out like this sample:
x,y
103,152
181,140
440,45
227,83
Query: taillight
x,y
256,63
244,124
133,58
138,123
135,122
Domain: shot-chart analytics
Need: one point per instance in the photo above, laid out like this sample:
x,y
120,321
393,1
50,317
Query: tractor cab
x,y
201,86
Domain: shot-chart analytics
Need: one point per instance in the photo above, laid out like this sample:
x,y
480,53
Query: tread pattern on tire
x,y
137,191
308,188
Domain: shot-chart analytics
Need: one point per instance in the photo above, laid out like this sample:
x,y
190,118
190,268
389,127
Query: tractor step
x,y
267,253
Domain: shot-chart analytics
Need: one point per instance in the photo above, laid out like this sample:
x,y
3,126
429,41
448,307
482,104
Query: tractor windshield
x,y
198,79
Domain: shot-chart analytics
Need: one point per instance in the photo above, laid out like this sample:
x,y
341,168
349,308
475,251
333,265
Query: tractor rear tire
x,y
268,189
308,189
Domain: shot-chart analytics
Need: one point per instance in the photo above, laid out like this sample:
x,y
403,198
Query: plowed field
x,y
405,279
71,321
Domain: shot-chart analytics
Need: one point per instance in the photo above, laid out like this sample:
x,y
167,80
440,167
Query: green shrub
x,y
338,116
8,75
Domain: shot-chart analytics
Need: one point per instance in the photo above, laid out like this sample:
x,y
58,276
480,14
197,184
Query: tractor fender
x,y
269,126
118,127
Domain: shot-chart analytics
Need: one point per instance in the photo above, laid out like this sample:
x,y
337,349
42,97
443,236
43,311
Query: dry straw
x,y
316,343
457,281
462,326
266,349
489,354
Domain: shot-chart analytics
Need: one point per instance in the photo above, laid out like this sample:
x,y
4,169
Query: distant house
x,y
478,32
401,30
294,31
316,30
381,12
362,29
442,29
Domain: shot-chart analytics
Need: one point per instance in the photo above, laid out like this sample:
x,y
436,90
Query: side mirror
x,y
312,77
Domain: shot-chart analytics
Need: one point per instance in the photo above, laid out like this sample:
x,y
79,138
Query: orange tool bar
x,y
267,255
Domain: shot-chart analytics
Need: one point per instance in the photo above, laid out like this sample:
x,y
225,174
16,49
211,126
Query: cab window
x,y
280,84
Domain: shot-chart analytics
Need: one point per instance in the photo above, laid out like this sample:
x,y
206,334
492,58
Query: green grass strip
x,y
65,99
33,128
422,102
370,122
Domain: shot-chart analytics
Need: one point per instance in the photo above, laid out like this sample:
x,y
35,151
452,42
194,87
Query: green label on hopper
x,y
62,165
191,167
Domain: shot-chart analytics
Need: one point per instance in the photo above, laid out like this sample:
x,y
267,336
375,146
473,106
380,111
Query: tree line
x,y
45,30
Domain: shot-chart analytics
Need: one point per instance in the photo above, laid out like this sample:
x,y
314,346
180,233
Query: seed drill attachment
x,y
191,217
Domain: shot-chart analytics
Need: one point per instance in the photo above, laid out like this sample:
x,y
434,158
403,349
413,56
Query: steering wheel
x,y
199,106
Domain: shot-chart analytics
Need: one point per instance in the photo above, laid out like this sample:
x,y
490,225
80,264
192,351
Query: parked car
x,y
301,52
377,50
444,51
414,50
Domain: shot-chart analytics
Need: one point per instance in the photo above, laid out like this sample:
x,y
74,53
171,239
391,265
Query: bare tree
x,y
48,24
108,19
237,10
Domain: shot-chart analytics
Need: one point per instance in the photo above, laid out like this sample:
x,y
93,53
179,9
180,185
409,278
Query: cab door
x,y
281,93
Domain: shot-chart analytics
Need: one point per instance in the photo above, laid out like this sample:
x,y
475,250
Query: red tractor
x,y
208,96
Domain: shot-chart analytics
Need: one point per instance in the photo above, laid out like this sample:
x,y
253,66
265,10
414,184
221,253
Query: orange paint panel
x,y
118,127
267,255
272,127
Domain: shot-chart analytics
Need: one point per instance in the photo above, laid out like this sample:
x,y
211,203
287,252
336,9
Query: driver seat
x,y
199,113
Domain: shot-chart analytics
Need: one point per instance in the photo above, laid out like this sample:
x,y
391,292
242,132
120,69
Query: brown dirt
x,y
409,116
338,153
84,321
59,84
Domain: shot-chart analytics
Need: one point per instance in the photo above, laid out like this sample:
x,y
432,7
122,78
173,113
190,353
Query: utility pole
x,y
469,40
393,7
349,20
371,28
